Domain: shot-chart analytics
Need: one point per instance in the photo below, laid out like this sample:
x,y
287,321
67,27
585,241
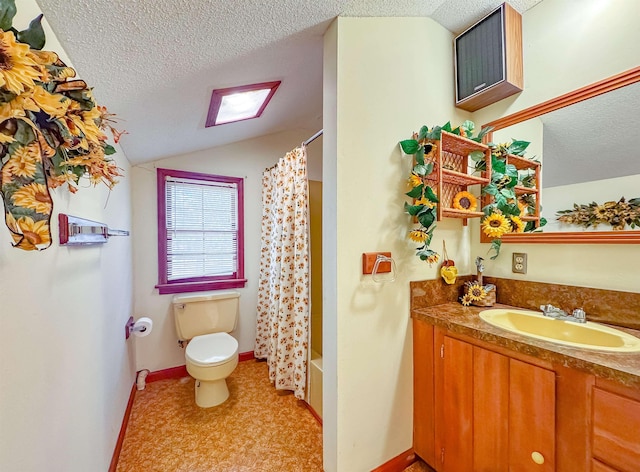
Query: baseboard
x,y
398,463
246,356
314,413
123,430
181,370
171,373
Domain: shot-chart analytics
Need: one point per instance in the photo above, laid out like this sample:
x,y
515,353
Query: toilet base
x,y
211,392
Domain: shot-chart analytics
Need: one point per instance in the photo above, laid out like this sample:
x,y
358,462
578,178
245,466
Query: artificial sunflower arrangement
x,y
52,132
422,146
617,214
504,214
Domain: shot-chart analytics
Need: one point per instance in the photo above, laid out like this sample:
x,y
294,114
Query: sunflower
x,y
495,225
18,107
523,206
433,258
517,225
35,234
33,196
53,104
51,67
22,162
600,212
92,131
476,292
18,70
424,201
465,300
414,180
465,201
418,235
44,58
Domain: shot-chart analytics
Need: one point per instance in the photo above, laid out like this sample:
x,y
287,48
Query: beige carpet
x,y
257,429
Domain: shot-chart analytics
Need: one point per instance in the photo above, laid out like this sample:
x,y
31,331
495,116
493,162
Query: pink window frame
x,y
197,283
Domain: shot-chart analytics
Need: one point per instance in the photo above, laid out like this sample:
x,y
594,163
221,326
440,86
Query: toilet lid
x,y
213,349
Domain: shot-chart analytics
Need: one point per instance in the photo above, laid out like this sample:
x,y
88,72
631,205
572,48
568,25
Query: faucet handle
x,y
580,315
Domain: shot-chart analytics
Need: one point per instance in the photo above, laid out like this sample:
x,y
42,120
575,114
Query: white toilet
x,y
212,354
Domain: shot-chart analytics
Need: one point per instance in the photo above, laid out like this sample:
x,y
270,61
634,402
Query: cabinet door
x,y
490,411
531,417
423,393
493,413
454,396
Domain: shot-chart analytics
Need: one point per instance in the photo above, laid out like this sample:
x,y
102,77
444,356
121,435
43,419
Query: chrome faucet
x,y
578,315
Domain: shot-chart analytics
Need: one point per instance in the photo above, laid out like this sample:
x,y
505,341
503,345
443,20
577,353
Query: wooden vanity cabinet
x,y
480,407
494,412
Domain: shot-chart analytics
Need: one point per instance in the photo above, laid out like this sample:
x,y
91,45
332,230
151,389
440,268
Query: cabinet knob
x,y
537,457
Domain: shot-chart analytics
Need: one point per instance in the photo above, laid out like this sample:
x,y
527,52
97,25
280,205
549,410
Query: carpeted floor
x,y
258,429
418,466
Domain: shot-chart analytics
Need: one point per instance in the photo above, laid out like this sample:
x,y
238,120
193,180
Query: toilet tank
x,y
205,313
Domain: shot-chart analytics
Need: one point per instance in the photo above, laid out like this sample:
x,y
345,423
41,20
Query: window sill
x,y
184,287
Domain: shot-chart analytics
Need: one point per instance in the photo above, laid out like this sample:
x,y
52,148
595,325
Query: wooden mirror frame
x,y
574,237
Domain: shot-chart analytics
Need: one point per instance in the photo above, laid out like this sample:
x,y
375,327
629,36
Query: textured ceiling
x,y
578,139
155,63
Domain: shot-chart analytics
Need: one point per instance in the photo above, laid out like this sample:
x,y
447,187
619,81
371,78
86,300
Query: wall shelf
x,y
452,173
522,164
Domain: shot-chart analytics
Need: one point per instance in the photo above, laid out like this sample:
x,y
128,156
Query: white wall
x,y
246,159
384,78
66,370
569,44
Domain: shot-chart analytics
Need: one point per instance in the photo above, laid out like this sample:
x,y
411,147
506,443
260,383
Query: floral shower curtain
x,y
282,328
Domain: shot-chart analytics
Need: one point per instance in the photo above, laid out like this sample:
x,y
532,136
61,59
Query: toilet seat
x,y
210,350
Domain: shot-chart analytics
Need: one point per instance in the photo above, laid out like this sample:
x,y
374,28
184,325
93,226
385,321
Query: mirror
x,y
586,138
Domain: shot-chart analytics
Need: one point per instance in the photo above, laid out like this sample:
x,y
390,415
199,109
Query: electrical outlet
x,y
519,263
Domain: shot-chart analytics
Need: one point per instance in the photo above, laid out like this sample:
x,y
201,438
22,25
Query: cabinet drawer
x,y
616,427
597,466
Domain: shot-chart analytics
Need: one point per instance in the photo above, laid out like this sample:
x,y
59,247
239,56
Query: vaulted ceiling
x,y
155,63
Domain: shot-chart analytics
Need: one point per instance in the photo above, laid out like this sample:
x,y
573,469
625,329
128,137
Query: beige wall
x,y
391,76
569,44
66,370
246,159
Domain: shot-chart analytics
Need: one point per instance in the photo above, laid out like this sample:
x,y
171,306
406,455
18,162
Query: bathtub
x,y
315,383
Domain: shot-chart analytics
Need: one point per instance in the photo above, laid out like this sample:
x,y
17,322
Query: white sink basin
x,y
587,335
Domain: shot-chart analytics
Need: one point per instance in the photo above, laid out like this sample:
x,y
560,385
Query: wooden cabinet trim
x,y
615,387
498,349
423,391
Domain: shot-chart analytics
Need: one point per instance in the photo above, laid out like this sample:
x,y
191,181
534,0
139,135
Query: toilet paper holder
x,y
131,328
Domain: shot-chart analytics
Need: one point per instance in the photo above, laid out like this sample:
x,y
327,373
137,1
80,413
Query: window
x,y
200,232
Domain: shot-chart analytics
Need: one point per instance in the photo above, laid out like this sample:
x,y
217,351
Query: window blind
x,y
202,228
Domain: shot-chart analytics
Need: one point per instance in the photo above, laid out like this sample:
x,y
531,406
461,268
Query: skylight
x,y
239,103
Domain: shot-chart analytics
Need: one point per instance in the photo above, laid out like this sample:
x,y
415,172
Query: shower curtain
x,y
282,326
